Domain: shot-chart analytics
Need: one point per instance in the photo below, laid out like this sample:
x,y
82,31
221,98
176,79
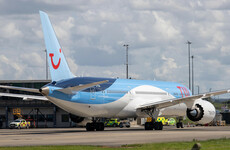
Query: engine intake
x,y
195,114
204,112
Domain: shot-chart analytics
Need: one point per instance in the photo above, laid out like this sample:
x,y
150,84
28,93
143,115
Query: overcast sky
x,y
92,34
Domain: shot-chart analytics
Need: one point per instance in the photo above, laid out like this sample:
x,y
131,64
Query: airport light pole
x,y
189,82
198,89
127,62
192,75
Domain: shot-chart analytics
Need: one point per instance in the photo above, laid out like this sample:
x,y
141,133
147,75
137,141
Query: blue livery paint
x,y
108,92
83,80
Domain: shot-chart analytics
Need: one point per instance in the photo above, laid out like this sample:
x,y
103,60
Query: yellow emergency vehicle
x,y
19,123
112,123
170,121
161,119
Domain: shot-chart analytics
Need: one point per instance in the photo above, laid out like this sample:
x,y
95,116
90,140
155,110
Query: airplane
x,y
91,98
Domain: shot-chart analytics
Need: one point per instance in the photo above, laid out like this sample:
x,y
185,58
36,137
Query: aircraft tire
x,y
99,126
158,126
89,127
148,126
179,125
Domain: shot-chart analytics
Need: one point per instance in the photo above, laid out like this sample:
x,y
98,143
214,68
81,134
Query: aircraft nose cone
x,y
45,90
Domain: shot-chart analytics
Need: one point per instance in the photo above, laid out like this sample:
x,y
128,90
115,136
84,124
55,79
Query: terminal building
x,y
40,113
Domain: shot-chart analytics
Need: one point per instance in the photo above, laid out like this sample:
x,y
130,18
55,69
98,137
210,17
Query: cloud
x,y
166,68
92,34
10,31
8,66
86,30
32,59
63,28
73,66
165,27
25,7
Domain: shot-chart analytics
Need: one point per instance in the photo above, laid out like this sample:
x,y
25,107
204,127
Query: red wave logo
x,y
52,62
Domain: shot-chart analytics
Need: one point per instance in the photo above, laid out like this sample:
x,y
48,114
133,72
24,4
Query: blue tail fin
x,y
59,68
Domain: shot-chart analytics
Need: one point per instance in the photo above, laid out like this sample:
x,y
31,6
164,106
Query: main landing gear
x,y
98,126
153,125
180,124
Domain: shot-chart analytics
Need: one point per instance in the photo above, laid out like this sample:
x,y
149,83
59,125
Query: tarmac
x,y
109,137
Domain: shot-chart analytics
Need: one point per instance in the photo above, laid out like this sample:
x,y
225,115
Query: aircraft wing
x,y
20,88
189,101
25,97
71,90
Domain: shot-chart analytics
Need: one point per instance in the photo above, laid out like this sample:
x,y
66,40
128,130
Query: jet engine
x,y
203,112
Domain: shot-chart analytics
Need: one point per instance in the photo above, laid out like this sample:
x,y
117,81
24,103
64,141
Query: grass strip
x,y
217,144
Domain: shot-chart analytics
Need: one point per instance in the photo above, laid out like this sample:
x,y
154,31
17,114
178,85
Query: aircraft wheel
x,y
89,127
99,126
158,126
179,125
148,126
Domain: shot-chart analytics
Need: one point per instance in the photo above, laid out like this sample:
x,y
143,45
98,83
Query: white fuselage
x,y
124,107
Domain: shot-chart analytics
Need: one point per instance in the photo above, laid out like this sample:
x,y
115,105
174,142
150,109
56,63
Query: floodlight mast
x,y
192,75
127,61
189,78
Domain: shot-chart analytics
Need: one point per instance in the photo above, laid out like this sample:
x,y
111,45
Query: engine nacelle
x,y
202,113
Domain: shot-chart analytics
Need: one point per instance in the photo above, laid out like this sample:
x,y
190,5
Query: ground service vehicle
x,y
19,123
163,120
125,124
112,123
171,121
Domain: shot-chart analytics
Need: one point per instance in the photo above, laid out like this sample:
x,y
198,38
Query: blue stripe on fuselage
x,y
81,81
111,91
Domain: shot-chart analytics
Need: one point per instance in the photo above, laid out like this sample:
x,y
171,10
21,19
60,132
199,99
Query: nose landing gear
x,y
153,125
